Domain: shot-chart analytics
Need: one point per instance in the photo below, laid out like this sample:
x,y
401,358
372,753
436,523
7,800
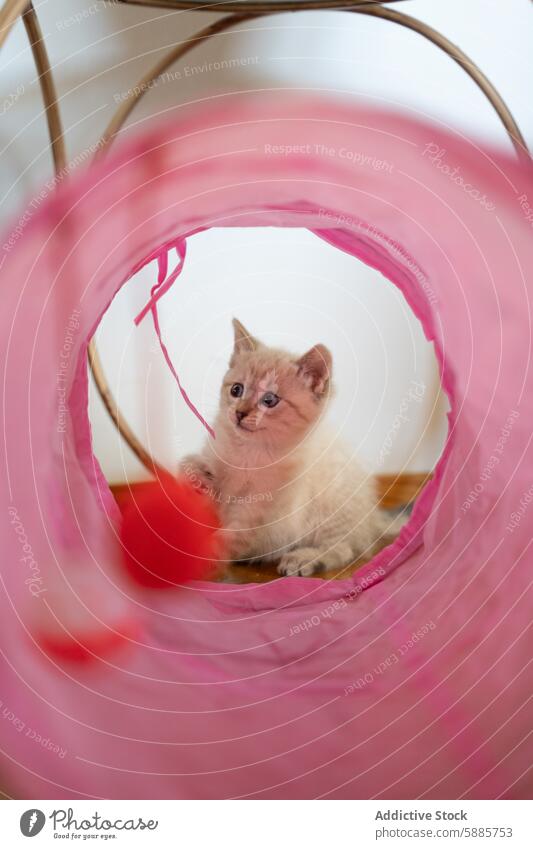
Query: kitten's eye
x,y
236,390
270,399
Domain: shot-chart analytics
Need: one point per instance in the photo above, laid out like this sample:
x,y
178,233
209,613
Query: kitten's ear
x,y
315,368
244,341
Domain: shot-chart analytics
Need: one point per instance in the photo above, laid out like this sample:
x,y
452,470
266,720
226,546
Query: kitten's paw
x,y
301,562
197,472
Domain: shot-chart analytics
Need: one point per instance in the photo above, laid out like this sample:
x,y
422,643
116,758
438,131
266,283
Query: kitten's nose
x,y
240,414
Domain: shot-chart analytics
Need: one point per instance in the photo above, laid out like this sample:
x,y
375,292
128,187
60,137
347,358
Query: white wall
x,y
287,286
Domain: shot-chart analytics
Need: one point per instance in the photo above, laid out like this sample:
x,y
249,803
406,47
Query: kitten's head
x,y
270,397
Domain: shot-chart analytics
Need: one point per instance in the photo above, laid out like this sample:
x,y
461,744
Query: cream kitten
x,y
285,490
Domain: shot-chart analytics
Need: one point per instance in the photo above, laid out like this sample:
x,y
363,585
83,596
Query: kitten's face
x,y
270,397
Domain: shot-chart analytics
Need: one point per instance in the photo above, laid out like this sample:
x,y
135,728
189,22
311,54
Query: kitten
x,y
285,490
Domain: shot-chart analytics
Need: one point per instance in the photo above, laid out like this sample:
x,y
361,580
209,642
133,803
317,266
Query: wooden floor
x,y
396,492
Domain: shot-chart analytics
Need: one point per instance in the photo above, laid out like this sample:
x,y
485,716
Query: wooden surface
x,y
395,491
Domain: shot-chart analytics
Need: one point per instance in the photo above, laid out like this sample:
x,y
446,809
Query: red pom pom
x,y
169,534
88,647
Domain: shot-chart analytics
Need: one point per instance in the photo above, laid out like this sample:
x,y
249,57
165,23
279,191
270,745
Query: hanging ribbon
x,y
163,285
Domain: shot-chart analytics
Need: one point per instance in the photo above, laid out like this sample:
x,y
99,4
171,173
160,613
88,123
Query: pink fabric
x,y
300,687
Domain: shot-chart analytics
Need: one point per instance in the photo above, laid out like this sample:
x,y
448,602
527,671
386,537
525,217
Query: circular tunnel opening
x,y
291,290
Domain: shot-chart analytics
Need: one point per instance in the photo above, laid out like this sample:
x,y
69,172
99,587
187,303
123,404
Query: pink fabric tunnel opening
x,y
400,682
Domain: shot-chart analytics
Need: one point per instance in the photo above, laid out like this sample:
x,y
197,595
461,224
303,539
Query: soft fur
x,y
286,491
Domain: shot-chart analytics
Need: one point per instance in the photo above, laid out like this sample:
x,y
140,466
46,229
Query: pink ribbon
x,y
163,285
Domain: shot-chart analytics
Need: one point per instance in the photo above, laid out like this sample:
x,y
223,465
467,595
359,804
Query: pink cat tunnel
x,y
412,679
